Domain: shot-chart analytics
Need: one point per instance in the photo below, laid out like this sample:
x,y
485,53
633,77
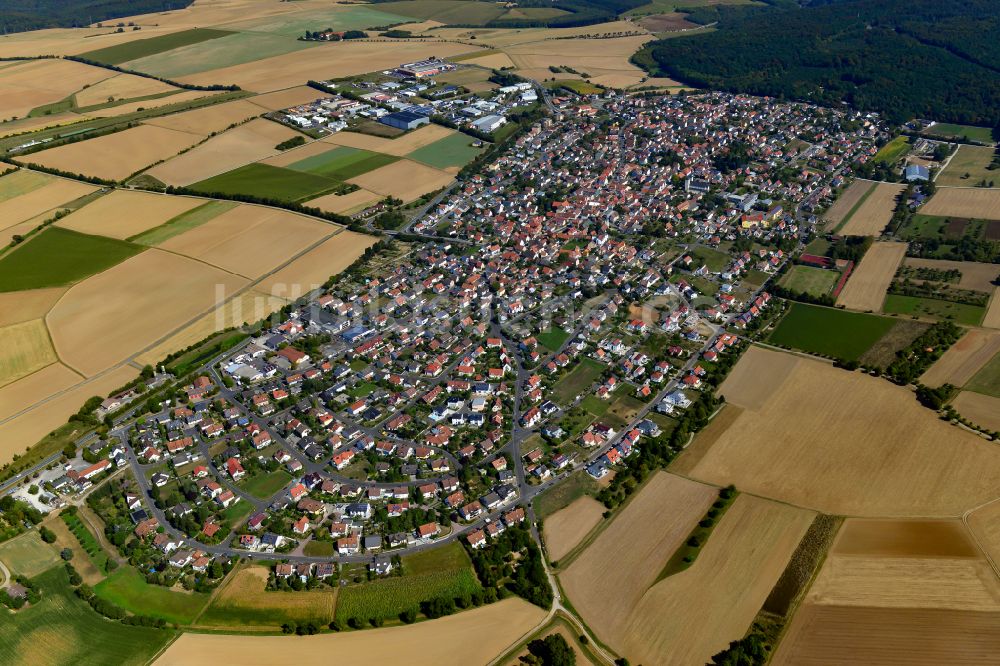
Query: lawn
x,y
818,246
892,151
265,485
318,549
987,380
141,48
183,222
264,180
128,589
968,132
552,338
28,555
452,151
595,405
829,331
561,495
343,163
57,257
578,379
63,629
809,280
440,572
960,313
715,261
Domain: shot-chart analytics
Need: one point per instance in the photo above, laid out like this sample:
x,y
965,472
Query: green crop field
x,y
987,380
227,51
829,331
960,313
20,182
464,12
63,629
141,48
809,280
343,163
57,257
578,379
265,485
552,338
439,572
452,151
968,132
128,589
28,555
892,151
183,222
263,180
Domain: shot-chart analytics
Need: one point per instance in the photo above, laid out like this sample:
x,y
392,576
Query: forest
x,y
22,15
902,58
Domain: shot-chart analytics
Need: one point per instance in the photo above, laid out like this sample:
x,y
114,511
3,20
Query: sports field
x,y
972,133
342,163
58,257
865,290
810,280
844,443
968,168
829,331
263,180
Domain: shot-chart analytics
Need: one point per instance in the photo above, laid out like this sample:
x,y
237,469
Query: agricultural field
x,y
969,167
142,48
26,348
450,152
185,221
829,331
283,99
608,580
566,528
400,146
114,214
987,379
974,203
688,617
873,212
975,276
233,148
406,180
208,119
849,201
905,588
35,84
315,267
968,132
128,588
263,180
865,290
899,337
893,457
963,359
933,308
345,204
63,629
444,641
57,257
982,410
28,195
342,163
992,317
243,601
810,280
609,65
116,156
563,494
446,11
27,555
892,151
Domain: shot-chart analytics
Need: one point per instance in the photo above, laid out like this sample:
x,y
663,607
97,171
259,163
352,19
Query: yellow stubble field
x,y
233,148
977,276
404,179
25,349
19,306
283,99
40,201
399,147
874,214
346,203
315,267
567,527
126,213
963,359
121,86
865,289
845,443
208,119
964,202
119,155
445,641
982,410
32,83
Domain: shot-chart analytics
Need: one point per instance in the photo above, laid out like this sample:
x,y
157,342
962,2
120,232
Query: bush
x,y
66,554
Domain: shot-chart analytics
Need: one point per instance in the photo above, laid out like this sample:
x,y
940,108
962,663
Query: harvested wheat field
x,y
132,107
874,214
32,83
404,179
41,122
846,443
19,306
41,201
244,594
315,267
327,61
983,410
688,617
404,145
493,61
442,641
249,307
209,119
110,316
963,359
865,290
885,579
20,182
26,391
345,203
607,59
25,349
251,243
567,527
283,99
126,213
975,275
121,86
234,148
992,317
117,156
52,407
984,525
705,439
608,579
964,202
